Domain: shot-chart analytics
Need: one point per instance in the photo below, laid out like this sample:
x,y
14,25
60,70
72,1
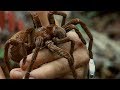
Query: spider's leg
x,y
30,34
6,58
23,52
83,25
51,17
64,54
39,44
64,40
35,20
4,69
70,27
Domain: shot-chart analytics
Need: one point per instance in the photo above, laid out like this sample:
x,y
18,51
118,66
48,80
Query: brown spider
x,y
17,48
52,35
24,42
35,19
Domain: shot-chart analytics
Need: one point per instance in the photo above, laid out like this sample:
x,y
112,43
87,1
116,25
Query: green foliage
x,y
1,52
80,28
85,16
91,14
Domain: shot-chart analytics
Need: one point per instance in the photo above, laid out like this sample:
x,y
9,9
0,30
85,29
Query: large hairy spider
x,y
52,35
17,48
22,43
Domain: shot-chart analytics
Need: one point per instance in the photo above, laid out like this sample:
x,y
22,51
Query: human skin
x,y
57,67
42,16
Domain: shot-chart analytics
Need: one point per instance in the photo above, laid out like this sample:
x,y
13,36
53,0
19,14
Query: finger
x,y
81,73
17,73
59,67
56,68
41,57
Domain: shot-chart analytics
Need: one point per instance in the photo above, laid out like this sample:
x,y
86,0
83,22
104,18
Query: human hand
x,y
51,66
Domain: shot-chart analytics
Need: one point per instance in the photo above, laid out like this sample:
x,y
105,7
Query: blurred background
x,y
104,26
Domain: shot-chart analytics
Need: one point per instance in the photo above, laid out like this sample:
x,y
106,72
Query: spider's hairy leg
x,y
35,20
51,18
6,58
64,40
53,48
85,28
70,27
30,34
39,44
4,69
23,52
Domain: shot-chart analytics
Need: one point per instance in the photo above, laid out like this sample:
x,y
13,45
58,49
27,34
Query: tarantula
x,y
19,46
25,41
52,35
